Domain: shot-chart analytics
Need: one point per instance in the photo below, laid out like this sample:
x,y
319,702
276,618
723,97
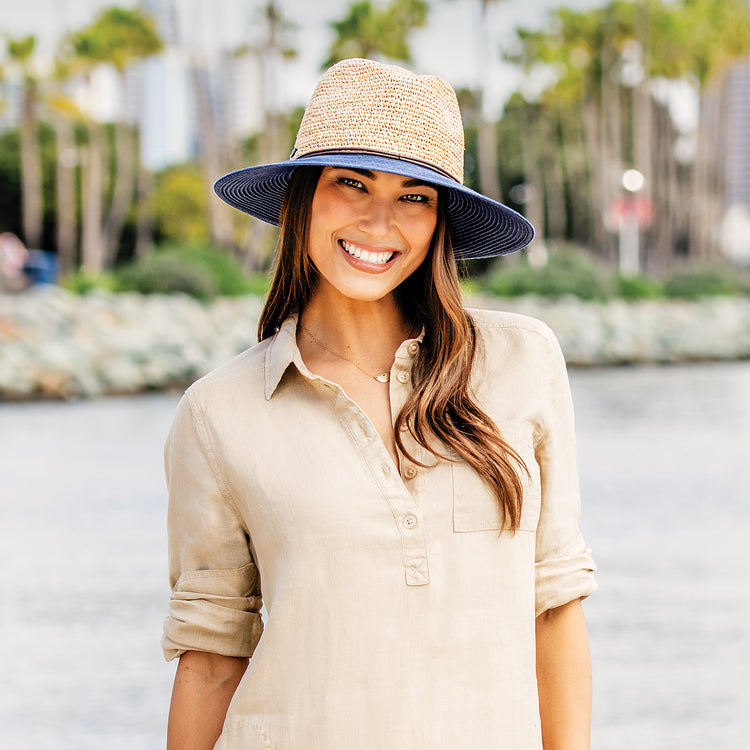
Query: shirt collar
x,y
283,351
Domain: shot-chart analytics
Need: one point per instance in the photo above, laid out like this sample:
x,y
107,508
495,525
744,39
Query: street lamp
x,y
630,224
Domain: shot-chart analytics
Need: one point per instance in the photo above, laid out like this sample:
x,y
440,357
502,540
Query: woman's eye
x,y
351,182
415,198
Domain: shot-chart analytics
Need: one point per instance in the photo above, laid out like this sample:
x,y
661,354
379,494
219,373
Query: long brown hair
x,y
440,406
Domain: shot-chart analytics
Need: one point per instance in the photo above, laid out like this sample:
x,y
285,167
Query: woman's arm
x,y
563,671
203,687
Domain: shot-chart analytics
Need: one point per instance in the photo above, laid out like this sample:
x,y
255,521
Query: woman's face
x,y
369,230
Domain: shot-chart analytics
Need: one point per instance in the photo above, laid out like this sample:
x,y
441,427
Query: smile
x,y
379,259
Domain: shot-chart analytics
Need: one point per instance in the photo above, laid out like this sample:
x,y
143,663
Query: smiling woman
x,y
391,474
369,231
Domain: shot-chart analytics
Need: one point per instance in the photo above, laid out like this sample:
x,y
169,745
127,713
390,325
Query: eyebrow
x,y
406,183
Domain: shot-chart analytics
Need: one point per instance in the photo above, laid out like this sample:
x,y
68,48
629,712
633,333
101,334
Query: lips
x,y
378,259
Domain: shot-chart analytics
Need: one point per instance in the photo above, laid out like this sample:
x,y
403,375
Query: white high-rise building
x,y
738,136
165,112
202,35
736,222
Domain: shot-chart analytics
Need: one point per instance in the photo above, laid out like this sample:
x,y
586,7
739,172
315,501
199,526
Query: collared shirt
x,y
400,614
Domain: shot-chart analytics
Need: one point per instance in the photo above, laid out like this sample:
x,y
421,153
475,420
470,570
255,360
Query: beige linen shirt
x,y
400,615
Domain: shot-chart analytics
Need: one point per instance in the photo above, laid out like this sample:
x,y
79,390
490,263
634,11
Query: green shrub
x,y
567,272
166,273
226,272
638,287
82,282
198,270
470,287
703,281
258,284
180,204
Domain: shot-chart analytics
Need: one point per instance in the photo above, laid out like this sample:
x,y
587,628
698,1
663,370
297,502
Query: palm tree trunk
x,y
611,147
66,226
122,197
706,190
489,177
31,168
665,189
597,172
92,250
144,238
643,155
210,157
550,131
534,208
708,175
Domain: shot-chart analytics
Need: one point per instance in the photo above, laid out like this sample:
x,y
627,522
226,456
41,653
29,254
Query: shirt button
x,y
409,521
403,377
413,347
410,471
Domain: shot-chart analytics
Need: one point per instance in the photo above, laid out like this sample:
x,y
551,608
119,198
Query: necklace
x,y
384,377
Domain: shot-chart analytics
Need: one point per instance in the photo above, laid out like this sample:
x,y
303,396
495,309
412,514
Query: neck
x,y
369,332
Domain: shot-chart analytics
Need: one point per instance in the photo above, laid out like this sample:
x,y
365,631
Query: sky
x,y
446,46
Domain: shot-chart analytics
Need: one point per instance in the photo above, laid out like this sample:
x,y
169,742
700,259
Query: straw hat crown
x,y
362,106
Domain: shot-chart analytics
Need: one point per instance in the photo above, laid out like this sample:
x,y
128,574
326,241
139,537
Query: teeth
x,y
365,255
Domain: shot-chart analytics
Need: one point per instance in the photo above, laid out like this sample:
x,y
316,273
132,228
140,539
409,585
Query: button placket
x,y
405,511
407,519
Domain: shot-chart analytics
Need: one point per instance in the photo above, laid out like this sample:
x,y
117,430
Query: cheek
x,y
321,226
424,232
329,211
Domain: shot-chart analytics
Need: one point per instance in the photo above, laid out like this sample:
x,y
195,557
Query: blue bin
x,y
41,267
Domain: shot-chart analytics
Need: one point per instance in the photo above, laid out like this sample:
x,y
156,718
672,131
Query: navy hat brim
x,y
479,226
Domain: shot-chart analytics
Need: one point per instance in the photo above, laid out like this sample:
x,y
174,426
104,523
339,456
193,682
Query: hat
x,y
368,115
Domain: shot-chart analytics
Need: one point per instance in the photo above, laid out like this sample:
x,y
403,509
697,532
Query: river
x,y
664,455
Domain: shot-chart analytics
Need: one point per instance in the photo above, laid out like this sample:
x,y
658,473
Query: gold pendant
x,y
384,378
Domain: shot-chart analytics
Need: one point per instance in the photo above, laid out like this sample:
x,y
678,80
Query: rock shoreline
x,y
57,345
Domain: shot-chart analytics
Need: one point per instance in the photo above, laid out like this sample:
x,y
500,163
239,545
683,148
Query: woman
x,y
398,473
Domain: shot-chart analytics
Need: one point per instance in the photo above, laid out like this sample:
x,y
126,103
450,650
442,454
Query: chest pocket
x,y
475,507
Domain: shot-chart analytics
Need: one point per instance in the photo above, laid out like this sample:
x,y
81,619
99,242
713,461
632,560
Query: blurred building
x,y
166,113
738,144
198,46
736,224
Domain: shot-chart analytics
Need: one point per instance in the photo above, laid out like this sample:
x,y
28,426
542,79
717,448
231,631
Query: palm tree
x,y
718,36
694,40
271,48
489,176
371,32
117,37
64,114
20,52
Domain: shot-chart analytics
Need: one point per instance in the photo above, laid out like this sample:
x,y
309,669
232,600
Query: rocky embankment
x,y
57,345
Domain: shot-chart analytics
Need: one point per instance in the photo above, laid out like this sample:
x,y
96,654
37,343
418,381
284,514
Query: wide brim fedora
x,y
383,118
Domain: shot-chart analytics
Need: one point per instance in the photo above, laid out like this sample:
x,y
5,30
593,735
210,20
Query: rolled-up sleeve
x,y
564,566
216,599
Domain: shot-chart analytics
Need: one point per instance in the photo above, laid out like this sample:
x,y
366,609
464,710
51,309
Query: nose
x,y
377,220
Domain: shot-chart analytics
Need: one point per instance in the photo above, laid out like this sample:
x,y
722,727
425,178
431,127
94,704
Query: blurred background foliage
x,y
590,105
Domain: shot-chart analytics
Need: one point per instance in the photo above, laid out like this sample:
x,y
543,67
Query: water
x,y
665,465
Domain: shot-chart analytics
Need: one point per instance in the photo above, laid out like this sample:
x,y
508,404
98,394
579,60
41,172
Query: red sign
x,y
637,207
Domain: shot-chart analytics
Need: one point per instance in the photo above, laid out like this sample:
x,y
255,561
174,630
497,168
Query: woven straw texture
x,y
367,106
